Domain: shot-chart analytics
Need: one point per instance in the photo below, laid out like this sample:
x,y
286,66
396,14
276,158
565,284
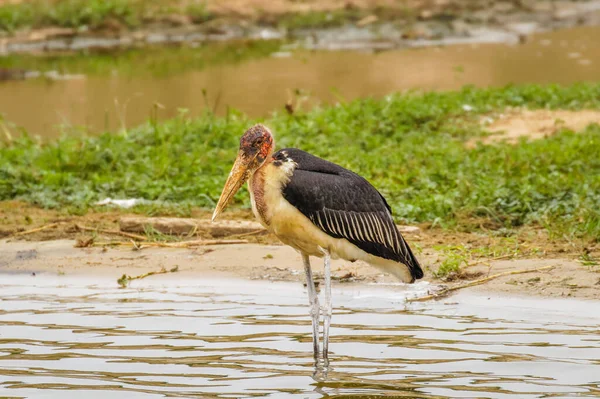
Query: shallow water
x,y
259,87
184,337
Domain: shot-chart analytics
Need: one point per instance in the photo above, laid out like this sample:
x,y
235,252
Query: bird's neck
x,y
256,185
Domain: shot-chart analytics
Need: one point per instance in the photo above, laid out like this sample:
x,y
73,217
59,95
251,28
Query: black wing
x,y
345,205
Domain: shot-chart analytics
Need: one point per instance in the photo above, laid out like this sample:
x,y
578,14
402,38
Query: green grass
x,y
589,261
15,16
410,146
70,13
94,13
455,258
198,12
318,20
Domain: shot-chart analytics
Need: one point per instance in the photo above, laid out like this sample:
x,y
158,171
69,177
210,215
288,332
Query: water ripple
x,y
69,337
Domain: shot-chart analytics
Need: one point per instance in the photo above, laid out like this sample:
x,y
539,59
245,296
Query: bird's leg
x,y
313,299
327,311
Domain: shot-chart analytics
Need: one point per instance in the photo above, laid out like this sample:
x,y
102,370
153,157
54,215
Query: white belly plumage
x,y
294,229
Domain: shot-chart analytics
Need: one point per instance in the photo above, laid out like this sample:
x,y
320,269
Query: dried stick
x,y
24,233
183,244
478,262
445,291
125,279
250,233
114,232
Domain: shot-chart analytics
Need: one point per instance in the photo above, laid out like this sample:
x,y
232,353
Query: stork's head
x,y
256,146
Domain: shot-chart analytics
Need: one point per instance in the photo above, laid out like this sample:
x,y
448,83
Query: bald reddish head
x,y
256,146
257,143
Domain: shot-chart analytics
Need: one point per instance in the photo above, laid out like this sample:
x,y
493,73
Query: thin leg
x,y
313,300
327,311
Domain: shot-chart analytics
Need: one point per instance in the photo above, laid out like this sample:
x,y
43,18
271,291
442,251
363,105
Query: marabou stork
x,y
320,209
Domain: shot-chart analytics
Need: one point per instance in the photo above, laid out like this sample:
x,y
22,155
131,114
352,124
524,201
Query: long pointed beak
x,y
237,177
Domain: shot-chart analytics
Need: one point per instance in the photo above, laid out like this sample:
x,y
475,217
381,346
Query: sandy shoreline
x,y
253,261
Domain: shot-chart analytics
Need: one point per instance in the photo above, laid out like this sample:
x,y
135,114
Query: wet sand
x,y
253,261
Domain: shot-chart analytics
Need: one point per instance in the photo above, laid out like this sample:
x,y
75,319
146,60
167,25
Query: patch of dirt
x,y
568,278
537,124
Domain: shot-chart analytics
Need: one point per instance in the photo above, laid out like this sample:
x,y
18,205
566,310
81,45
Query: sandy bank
x,y
568,278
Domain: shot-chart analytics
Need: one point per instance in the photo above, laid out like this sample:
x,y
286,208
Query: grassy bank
x,y
132,14
117,15
411,146
95,14
290,14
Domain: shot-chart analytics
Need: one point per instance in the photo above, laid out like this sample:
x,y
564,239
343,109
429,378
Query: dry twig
x,y
250,233
113,232
125,279
182,244
24,233
446,291
185,244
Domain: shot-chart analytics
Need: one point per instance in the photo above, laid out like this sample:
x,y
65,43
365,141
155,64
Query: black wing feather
x,y
345,205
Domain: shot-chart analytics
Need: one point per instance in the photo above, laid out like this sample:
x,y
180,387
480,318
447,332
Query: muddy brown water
x,y
68,336
259,87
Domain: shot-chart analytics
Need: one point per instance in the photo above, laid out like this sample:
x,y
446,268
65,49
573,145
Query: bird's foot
x,y
321,370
